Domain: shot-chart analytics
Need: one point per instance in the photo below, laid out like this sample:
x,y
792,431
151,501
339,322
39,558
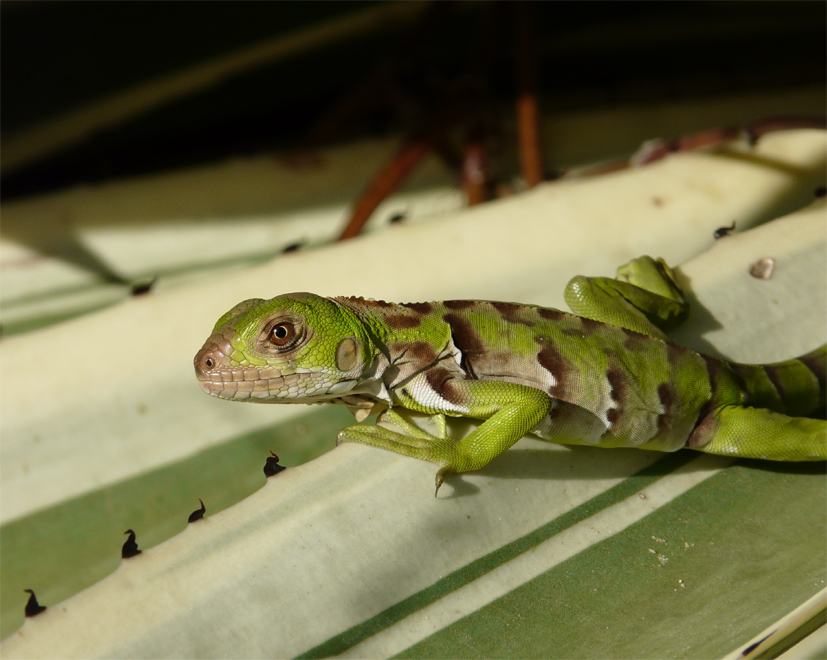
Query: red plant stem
x,y
474,176
384,183
528,114
713,137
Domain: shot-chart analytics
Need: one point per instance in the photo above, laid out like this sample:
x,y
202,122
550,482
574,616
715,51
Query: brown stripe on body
x,y
441,381
459,304
419,351
704,429
511,312
397,321
635,342
572,325
554,315
467,341
705,425
366,302
420,308
408,359
667,397
590,326
675,353
618,393
553,361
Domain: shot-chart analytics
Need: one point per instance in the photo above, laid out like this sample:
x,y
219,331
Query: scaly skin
x,y
606,378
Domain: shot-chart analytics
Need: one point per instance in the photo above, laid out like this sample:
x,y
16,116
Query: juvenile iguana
x,y
606,377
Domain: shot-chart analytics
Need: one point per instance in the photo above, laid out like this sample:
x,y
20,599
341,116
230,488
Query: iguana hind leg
x,y
760,433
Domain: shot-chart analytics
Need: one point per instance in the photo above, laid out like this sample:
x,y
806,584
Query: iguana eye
x,y
282,333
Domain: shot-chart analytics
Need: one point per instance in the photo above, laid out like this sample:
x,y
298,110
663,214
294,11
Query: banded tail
x,y
775,423
796,387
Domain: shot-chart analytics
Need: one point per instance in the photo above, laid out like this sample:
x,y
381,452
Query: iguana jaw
x,y
221,376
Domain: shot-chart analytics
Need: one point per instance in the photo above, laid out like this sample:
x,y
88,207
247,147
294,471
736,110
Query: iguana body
x,y
606,378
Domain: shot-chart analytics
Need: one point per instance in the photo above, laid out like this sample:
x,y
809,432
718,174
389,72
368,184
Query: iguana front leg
x,y
644,297
509,410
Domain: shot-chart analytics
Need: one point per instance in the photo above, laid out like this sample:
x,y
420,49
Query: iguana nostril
x,y
209,363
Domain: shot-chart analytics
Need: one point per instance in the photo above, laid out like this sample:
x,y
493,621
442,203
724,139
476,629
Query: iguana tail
x,y
796,387
775,423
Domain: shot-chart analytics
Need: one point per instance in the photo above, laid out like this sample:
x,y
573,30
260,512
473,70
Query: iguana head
x,y
295,348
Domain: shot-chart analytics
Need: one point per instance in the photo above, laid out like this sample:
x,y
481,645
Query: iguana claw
x,y
440,477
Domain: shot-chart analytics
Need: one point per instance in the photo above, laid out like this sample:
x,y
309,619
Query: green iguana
x,y
606,377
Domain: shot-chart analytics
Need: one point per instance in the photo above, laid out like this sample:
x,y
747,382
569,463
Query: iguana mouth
x,y
239,383
271,388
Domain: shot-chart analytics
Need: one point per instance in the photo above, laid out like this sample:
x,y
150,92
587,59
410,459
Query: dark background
x,y
57,56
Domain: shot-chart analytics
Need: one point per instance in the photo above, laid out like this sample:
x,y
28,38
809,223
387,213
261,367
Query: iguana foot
x,y
444,471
